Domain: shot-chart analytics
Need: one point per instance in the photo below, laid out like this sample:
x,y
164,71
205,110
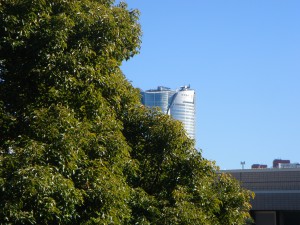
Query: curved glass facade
x,y
159,97
179,104
182,108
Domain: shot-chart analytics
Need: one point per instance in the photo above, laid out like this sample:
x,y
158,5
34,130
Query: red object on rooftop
x,y
259,166
277,161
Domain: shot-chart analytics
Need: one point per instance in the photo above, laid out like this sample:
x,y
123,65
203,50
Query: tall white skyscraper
x,y
182,108
180,104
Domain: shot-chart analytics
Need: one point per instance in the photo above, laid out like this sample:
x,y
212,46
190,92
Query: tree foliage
x,y
76,147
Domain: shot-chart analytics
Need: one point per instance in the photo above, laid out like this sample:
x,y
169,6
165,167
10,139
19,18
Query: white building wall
x,y
182,108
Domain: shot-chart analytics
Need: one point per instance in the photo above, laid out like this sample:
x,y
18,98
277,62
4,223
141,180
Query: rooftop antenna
x,y
243,164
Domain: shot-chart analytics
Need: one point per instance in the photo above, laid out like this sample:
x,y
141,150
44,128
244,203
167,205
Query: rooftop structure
x,y
276,162
259,166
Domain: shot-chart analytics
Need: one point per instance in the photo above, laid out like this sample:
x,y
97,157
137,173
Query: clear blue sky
x,y
243,59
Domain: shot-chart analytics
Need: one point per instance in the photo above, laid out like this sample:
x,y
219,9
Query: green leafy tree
x,y
76,147
173,183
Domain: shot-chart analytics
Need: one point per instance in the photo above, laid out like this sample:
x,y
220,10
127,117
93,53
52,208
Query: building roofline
x,y
260,170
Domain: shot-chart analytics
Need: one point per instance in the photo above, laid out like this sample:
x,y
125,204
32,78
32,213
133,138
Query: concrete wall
x,y
277,194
